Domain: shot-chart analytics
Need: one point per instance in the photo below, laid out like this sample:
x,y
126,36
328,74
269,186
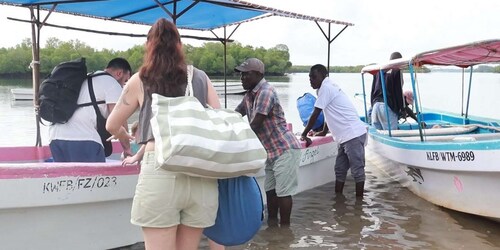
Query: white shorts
x,y
164,199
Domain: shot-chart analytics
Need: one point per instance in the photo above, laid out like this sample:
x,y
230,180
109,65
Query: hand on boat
x,y
320,133
130,160
307,140
123,134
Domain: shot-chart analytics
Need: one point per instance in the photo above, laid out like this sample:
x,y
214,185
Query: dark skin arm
x,y
312,119
324,131
410,113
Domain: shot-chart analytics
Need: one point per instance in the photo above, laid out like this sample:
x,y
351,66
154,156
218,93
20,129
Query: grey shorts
x,y
282,174
164,199
351,154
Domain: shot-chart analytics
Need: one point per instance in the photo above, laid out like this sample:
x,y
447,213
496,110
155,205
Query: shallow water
x,y
388,217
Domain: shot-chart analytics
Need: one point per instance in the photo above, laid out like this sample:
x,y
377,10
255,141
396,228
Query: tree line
x,y
14,61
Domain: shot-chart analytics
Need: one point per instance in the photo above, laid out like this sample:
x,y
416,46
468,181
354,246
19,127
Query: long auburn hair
x,y
164,68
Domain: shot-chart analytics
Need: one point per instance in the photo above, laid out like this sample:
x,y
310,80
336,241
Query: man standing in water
x,y
267,119
346,127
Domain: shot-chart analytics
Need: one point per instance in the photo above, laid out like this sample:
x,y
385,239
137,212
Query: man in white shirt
x,y
343,121
78,139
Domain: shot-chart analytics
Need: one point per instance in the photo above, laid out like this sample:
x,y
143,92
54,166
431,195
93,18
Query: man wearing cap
x,y
267,119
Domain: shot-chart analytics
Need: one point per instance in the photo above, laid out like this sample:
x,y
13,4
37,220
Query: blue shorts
x,y
351,154
77,151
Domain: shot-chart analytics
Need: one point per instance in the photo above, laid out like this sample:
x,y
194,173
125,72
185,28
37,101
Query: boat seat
x,y
455,138
431,131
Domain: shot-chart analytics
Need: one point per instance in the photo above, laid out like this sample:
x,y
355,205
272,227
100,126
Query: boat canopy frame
x,y
463,56
179,12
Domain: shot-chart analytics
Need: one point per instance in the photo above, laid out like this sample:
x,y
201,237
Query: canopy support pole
x,y
225,67
384,92
463,87
224,42
364,99
468,95
35,67
329,39
415,97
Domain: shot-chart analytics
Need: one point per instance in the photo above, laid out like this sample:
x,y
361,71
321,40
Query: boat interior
x,y
446,128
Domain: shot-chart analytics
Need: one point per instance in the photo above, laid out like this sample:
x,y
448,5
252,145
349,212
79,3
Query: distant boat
x,y
232,88
22,94
26,94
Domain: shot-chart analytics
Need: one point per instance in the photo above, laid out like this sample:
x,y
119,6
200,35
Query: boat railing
x,y
451,130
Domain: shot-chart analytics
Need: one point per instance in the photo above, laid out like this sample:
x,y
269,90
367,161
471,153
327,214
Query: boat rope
x,y
33,63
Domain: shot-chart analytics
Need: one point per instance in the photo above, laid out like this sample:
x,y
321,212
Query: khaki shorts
x,y
282,174
164,199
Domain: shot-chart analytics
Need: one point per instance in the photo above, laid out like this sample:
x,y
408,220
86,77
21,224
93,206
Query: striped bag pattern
x,y
206,142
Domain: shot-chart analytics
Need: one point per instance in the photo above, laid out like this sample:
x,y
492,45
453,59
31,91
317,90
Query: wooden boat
x,y
23,94
43,201
453,162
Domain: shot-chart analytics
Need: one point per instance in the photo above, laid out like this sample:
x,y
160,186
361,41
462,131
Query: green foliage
x,y
209,57
16,61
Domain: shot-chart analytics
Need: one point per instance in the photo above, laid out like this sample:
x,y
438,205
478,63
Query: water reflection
x,y
388,217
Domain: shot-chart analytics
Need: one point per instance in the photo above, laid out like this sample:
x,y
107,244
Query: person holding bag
x,y
172,208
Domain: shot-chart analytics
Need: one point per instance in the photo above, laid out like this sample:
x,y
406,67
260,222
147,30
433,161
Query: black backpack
x,y
59,92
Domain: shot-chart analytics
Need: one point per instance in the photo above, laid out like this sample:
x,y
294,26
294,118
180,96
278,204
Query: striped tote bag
x,y
205,142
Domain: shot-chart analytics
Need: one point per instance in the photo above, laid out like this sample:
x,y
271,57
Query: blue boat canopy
x,y
200,15
186,14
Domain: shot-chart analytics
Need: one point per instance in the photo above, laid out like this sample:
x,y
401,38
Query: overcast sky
x,y
380,27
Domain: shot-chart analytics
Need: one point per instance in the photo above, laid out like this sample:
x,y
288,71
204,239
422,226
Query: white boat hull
x,y
230,89
87,205
463,178
67,206
22,94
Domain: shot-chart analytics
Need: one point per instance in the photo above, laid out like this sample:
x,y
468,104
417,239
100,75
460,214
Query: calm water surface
x,y
388,217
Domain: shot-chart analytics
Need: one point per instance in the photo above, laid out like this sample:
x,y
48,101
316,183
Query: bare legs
x,y
214,245
276,204
176,237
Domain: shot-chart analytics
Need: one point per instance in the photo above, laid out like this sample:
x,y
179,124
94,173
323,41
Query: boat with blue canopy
x,y
87,205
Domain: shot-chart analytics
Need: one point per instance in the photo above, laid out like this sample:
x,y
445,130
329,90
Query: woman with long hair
x,y
172,209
